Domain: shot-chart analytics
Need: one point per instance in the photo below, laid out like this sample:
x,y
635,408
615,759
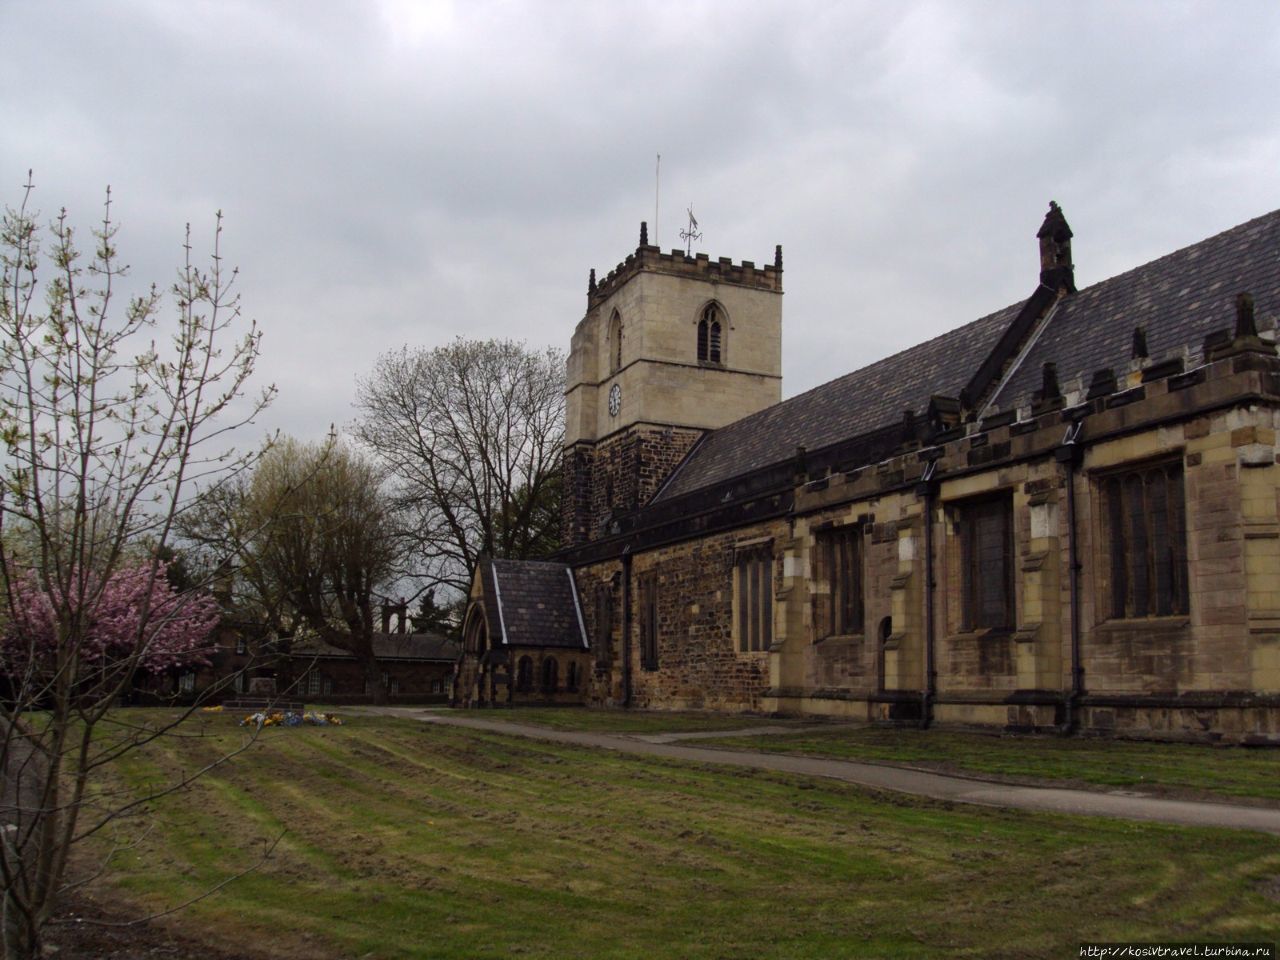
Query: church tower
x,y
671,346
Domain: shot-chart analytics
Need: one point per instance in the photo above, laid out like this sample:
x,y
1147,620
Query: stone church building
x,y
1063,515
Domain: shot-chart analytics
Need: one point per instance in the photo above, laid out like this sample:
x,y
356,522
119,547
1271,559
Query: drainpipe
x,y
626,626
927,488
1070,453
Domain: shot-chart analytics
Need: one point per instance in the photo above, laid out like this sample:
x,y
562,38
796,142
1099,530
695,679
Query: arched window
x,y
524,675
615,342
571,677
549,675
711,334
476,632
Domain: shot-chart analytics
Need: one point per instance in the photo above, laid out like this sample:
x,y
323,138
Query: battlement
x,y
677,263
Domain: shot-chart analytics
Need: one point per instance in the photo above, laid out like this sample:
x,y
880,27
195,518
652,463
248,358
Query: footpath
x,y
921,783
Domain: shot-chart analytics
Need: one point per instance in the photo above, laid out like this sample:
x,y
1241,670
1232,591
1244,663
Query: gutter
x,y
927,489
1070,454
626,627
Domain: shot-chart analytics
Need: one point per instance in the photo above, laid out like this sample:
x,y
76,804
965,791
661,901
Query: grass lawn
x,y
1229,773
405,839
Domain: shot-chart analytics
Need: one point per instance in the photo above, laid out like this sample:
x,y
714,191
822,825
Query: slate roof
x,y
532,603
1178,299
390,646
857,403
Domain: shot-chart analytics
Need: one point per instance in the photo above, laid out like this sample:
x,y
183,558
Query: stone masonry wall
x,y
699,666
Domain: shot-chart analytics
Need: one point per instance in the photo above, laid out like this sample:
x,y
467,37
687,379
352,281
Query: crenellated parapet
x,y
648,257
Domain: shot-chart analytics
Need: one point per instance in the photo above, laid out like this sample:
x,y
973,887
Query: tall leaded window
x,y
753,570
839,556
1144,515
550,675
604,624
524,674
710,334
649,621
986,548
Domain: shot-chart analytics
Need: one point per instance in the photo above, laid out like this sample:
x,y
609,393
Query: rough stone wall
x,y
699,666
617,476
575,496
629,467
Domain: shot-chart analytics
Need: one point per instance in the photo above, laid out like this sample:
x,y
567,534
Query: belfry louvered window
x,y
615,342
1144,518
710,334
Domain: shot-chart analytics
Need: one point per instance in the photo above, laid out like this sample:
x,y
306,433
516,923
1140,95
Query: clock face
x,y
615,400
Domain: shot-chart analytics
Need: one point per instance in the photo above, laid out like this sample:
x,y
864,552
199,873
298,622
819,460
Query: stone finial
x,y
1139,351
1246,325
591,283
777,258
1103,383
644,233
1049,389
1056,269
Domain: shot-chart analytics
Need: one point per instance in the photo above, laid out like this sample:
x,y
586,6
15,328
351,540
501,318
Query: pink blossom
x,y
105,626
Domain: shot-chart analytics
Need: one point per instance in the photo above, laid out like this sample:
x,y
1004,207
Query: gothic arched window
x,y
549,677
615,342
711,334
524,675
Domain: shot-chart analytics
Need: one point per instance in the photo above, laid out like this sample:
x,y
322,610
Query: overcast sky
x,y
407,172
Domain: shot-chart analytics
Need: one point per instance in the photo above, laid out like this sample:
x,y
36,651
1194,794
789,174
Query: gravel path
x,y
923,783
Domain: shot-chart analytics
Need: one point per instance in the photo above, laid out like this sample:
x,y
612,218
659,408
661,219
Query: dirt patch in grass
x,y
88,930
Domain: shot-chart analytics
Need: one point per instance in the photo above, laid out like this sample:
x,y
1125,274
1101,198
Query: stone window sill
x,y
1171,624
839,637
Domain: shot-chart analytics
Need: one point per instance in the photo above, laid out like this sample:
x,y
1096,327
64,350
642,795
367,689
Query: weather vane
x,y
691,233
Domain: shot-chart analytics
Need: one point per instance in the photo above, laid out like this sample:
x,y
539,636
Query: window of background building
x,y
524,675
839,554
1144,519
649,621
754,594
986,549
550,678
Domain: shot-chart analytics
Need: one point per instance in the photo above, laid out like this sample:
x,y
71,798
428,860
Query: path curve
x,y
922,783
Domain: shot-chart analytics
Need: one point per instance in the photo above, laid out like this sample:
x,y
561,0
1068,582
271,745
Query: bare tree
x,y
472,433
307,541
105,431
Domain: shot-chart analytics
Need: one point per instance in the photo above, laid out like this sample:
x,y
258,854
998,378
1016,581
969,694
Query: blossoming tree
x,y
112,415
